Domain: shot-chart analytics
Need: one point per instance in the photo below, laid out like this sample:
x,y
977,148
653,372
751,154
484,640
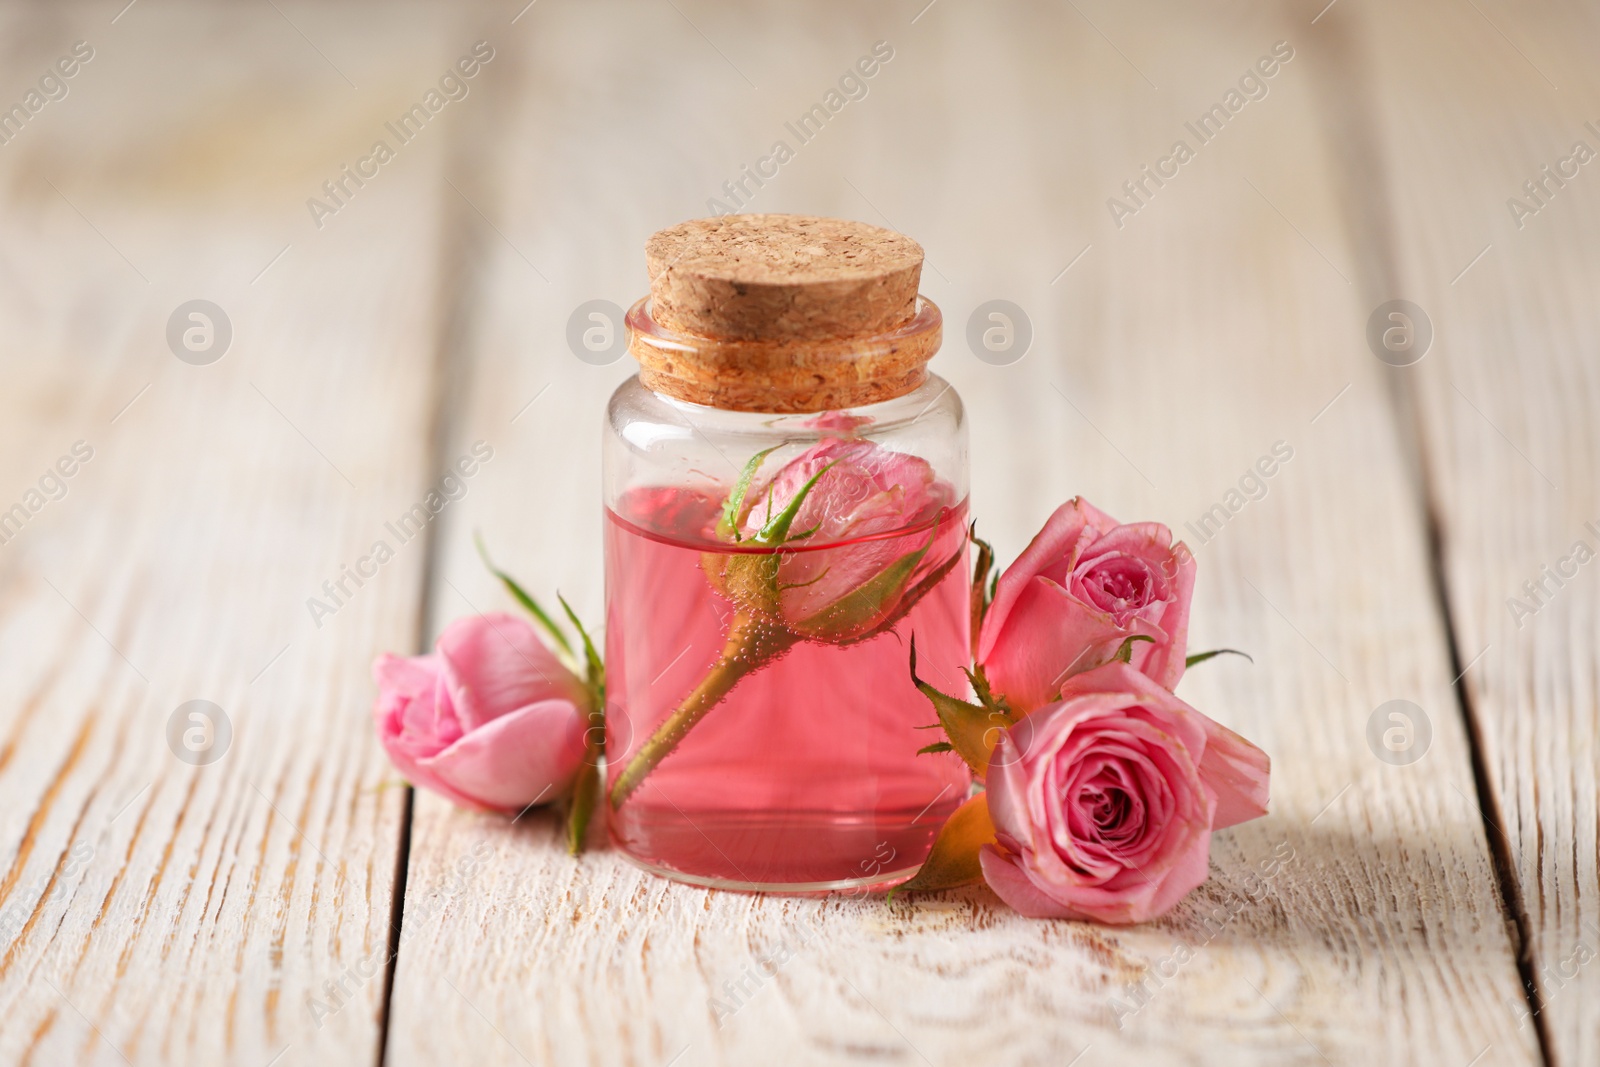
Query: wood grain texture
x,y
1170,354
157,911
1505,406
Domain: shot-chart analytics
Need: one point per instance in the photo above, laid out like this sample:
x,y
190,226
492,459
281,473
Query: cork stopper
x,y
783,313
770,277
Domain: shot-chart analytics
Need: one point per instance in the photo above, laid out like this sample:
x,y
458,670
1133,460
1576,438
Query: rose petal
x,y
1012,886
1100,583
1062,635
412,715
1238,772
495,663
529,755
411,675
1061,530
1007,782
1164,660
1136,898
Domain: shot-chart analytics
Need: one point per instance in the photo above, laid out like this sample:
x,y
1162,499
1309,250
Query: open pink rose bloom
x,y
1103,802
1083,586
491,719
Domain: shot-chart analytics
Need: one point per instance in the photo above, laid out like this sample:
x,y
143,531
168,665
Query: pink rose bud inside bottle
x,y
786,508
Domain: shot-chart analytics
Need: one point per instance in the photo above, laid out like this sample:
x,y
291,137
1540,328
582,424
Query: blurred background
x,y
268,269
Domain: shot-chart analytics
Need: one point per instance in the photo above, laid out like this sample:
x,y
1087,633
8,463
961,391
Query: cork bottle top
x,y
783,313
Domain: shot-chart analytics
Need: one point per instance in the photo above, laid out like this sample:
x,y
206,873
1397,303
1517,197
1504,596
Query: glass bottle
x,y
767,568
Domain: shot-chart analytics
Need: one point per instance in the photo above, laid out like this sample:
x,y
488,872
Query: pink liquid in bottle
x,y
805,776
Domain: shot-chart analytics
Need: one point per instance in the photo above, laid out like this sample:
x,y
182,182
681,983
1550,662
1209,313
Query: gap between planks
x,y
1351,121
461,256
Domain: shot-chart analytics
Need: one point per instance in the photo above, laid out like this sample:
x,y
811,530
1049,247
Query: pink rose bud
x,y
1104,802
1082,587
490,720
836,546
865,495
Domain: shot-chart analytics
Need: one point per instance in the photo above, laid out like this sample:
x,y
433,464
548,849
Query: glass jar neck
x,y
787,376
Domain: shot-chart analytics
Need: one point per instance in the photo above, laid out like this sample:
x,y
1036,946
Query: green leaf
x,y
1201,657
954,859
521,596
595,669
937,746
776,531
972,729
728,524
585,792
1124,652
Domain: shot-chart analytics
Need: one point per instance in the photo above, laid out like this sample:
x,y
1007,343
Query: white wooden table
x,y
292,903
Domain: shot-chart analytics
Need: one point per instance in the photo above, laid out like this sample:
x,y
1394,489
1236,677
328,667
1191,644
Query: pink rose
x,y
490,720
1083,586
1104,802
865,495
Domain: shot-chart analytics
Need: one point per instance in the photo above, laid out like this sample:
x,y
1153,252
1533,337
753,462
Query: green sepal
x,y
1201,657
1124,652
954,859
867,601
785,586
982,588
986,696
912,596
776,530
972,729
937,746
728,524
563,646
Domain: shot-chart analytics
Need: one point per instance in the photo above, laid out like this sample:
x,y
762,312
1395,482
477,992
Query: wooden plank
x,y
158,910
1167,359
1505,405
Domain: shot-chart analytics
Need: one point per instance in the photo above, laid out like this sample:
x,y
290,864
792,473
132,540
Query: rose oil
x,y
805,775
